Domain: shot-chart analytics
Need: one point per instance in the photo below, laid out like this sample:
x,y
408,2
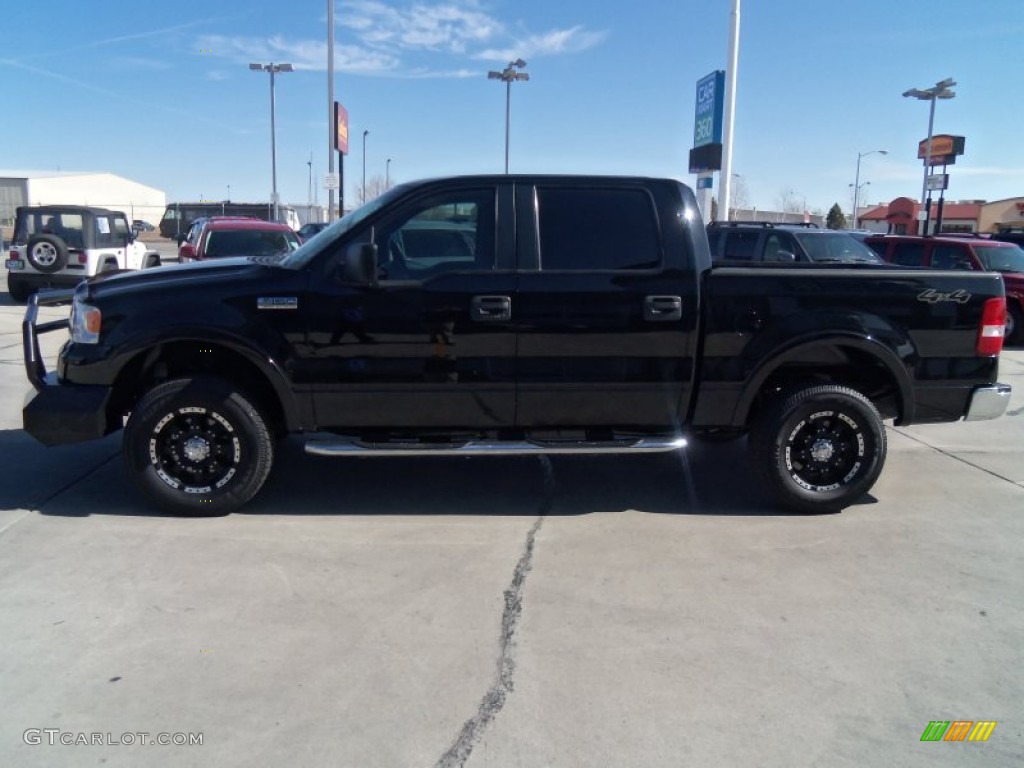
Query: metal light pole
x,y
309,187
273,69
330,115
729,119
362,194
508,75
856,180
940,91
387,175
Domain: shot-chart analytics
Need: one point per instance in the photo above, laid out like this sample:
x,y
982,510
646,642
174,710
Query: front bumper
x,y
988,402
55,413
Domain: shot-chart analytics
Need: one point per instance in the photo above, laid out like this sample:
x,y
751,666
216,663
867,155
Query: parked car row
x,y
763,242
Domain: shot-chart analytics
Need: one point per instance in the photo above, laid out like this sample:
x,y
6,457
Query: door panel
x,y
411,352
605,324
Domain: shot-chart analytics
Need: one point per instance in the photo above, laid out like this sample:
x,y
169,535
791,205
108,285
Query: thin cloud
x,y
448,27
302,54
120,39
415,40
118,95
558,41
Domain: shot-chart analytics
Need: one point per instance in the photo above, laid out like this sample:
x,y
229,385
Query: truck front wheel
x,y
820,449
195,446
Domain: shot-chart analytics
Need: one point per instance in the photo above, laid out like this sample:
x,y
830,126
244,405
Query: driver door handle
x,y
663,309
490,309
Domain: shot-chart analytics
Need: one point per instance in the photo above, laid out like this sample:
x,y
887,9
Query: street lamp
x,y
940,91
362,195
273,69
856,180
387,174
508,75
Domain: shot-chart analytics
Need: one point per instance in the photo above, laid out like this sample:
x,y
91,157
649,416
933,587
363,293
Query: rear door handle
x,y
663,309
490,309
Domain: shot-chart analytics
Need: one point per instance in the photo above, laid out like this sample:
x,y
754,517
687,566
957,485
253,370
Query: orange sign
x,y
942,145
340,128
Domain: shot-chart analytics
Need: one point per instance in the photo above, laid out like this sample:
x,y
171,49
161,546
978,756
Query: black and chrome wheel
x,y
820,449
197,447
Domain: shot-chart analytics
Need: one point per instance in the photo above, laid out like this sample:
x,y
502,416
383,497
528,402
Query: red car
x,y
223,237
974,253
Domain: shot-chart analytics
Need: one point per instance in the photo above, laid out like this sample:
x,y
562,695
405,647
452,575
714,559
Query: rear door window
x,y
950,257
741,246
908,254
597,229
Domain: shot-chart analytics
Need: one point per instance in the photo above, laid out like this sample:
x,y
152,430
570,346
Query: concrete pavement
x,y
641,611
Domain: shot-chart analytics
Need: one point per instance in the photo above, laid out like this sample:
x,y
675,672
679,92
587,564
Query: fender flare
x,y
267,366
797,348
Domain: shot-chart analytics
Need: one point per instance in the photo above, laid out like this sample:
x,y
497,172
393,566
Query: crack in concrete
x,y
494,700
946,453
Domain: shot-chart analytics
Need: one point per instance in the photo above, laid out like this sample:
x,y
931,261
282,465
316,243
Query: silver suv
x,y
57,246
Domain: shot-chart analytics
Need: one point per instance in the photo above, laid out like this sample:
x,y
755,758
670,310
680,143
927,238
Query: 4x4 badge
x,y
277,302
932,296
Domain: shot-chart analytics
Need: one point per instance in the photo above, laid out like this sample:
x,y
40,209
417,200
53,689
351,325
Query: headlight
x,y
85,323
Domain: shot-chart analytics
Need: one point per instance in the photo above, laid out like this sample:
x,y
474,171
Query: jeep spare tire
x,y
47,253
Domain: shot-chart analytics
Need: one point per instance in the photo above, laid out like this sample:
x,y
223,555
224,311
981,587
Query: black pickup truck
x,y
508,315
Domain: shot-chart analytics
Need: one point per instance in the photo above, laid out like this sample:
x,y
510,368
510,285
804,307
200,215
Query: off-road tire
x,y
819,449
47,253
1014,331
196,446
19,291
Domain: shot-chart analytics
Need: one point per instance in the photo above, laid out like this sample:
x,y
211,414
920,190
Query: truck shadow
x,y
716,479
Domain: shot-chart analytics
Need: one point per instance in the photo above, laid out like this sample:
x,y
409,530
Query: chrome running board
x,y
354,447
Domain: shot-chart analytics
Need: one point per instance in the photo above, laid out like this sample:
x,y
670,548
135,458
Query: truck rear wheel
x,y
820,449
195,446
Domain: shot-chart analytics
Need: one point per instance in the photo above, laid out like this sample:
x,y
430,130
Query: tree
x,y
835,218
375,187
788,202
739,200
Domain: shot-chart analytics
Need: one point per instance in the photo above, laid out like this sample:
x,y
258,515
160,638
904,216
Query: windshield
x,y
308,250
997,259
836,247
222,243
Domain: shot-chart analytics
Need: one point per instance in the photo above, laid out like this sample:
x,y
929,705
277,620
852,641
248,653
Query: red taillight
x,y
993,325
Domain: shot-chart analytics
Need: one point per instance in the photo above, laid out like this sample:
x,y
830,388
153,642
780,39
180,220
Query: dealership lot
x,y
644,611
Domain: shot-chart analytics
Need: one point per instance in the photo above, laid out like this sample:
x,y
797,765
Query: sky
x,y
161,93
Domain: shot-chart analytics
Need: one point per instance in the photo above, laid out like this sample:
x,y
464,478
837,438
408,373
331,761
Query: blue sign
x,y
707,122
705,182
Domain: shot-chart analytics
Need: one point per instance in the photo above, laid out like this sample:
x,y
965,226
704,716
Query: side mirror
x,y
784,256
187,251
361,263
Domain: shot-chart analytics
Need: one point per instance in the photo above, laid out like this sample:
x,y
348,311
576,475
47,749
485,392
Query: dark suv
x,y
980,254
764,241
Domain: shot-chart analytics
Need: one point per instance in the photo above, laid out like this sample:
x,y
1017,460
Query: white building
x,y
102,190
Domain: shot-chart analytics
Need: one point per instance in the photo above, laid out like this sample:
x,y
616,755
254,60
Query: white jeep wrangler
x,y
58,246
